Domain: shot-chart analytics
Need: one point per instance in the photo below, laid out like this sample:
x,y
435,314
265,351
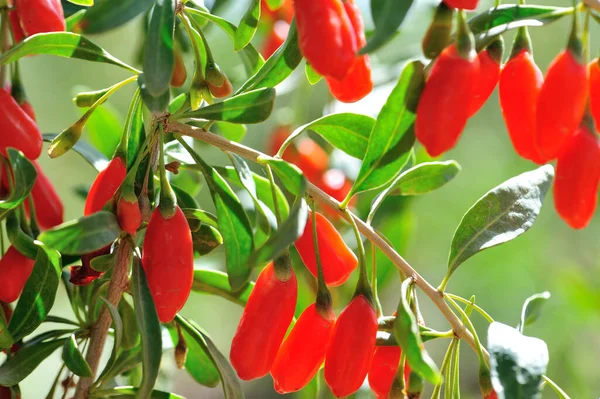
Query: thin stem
x,y
437,390
363,287
469,324
467,302
121,149
555,387
399,262
4,35
274,194
374,281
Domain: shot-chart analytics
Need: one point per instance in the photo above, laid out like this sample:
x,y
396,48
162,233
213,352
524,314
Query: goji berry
x,y
303,351
490,61
594,89
357,83
15,269
577,178
383,370
179,72
221,91
24,132
105,185
39,16
351,348
129,215
275,38
283,13
492,395
311,158
49,210
84,274
15,26
266,318
335,183
168,260
276,140
337,259
462,4
326,36
7,311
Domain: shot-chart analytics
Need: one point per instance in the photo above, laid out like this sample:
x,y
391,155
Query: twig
x,y
436,296
118,284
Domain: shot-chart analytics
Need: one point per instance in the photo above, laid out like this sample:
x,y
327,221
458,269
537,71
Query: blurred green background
x,y
550,256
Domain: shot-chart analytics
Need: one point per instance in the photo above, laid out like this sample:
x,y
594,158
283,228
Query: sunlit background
x,y
550,256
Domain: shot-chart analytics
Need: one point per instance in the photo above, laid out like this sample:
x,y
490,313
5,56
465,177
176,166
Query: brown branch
x,y
436,296
118,284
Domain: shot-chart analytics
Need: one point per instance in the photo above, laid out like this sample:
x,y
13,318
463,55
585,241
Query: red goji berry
x,y
565,83
26,106
337,259
275,38
283,13
443,110
311,158
577,179
383,370
357,83
49,210
129,215
265,320
462,4
15,269
104,187
15,26
594,89
351,348
24,133
7,311
168,260
490,61
335,183
39,16
519,88
84,274
179,74
303,351
326,36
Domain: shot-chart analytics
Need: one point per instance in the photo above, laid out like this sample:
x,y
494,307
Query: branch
x,y
118,284
436,296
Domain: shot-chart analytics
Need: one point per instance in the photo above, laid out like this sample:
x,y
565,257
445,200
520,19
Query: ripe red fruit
x,y
24,133
489,74
104,187
26,106
49,210
275,38
220,91
337,259
15,26
492,395
357,83
462,4
566,83
303,351
334,183
284,13
39,16
326,36
351,348
520,84
85,274
594,89
266,318
15,269
443,108
383,370
168,260
129,215
311,158
577,179
179,72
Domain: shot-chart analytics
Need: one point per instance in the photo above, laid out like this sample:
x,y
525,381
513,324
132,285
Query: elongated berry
x,y
104,187
129,215
357,83
490,61
179,72
326,36
266,318
383,370
594,90
311,159
561,103
337,259
462,4
15,27
275,38
351,348
444,105
168,260
39,16
577,179
15,269
49,209
21,132
520,84
303,351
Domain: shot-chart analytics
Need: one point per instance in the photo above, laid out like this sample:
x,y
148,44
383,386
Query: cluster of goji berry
x,y
541,128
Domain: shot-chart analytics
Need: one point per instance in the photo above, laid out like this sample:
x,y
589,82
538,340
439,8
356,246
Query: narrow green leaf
x,y
129,392
131,332
118,336
84,235
25,174
38,294
6,340
312,76
406,332
110,14
510,16
532,308
62,44
346,131
27,359
149,329
215,282
74,359
202,216
198,363
153,103
393,135
159,60
275,4
85,3
425,178
279,66
87,152
18,238
501,215
232,131
387,21
517,362
251,107
247,27
291,176
206,239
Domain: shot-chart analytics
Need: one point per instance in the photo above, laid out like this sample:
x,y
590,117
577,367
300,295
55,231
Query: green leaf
x,y
425,178
159,60
129,392
137,134
291,176
198,363
215,283
153,103
393,135
312,76
27,359
232,131
84,235
6,340
202,216
118,335
87,152
104,129
232,387
74,359
275,4
251,107
131,332
406,332
38,294
85,3
62,44
247,27
387,21
25,174
532,308
517,362
149,329
279,66
110,14
502,214
206,239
